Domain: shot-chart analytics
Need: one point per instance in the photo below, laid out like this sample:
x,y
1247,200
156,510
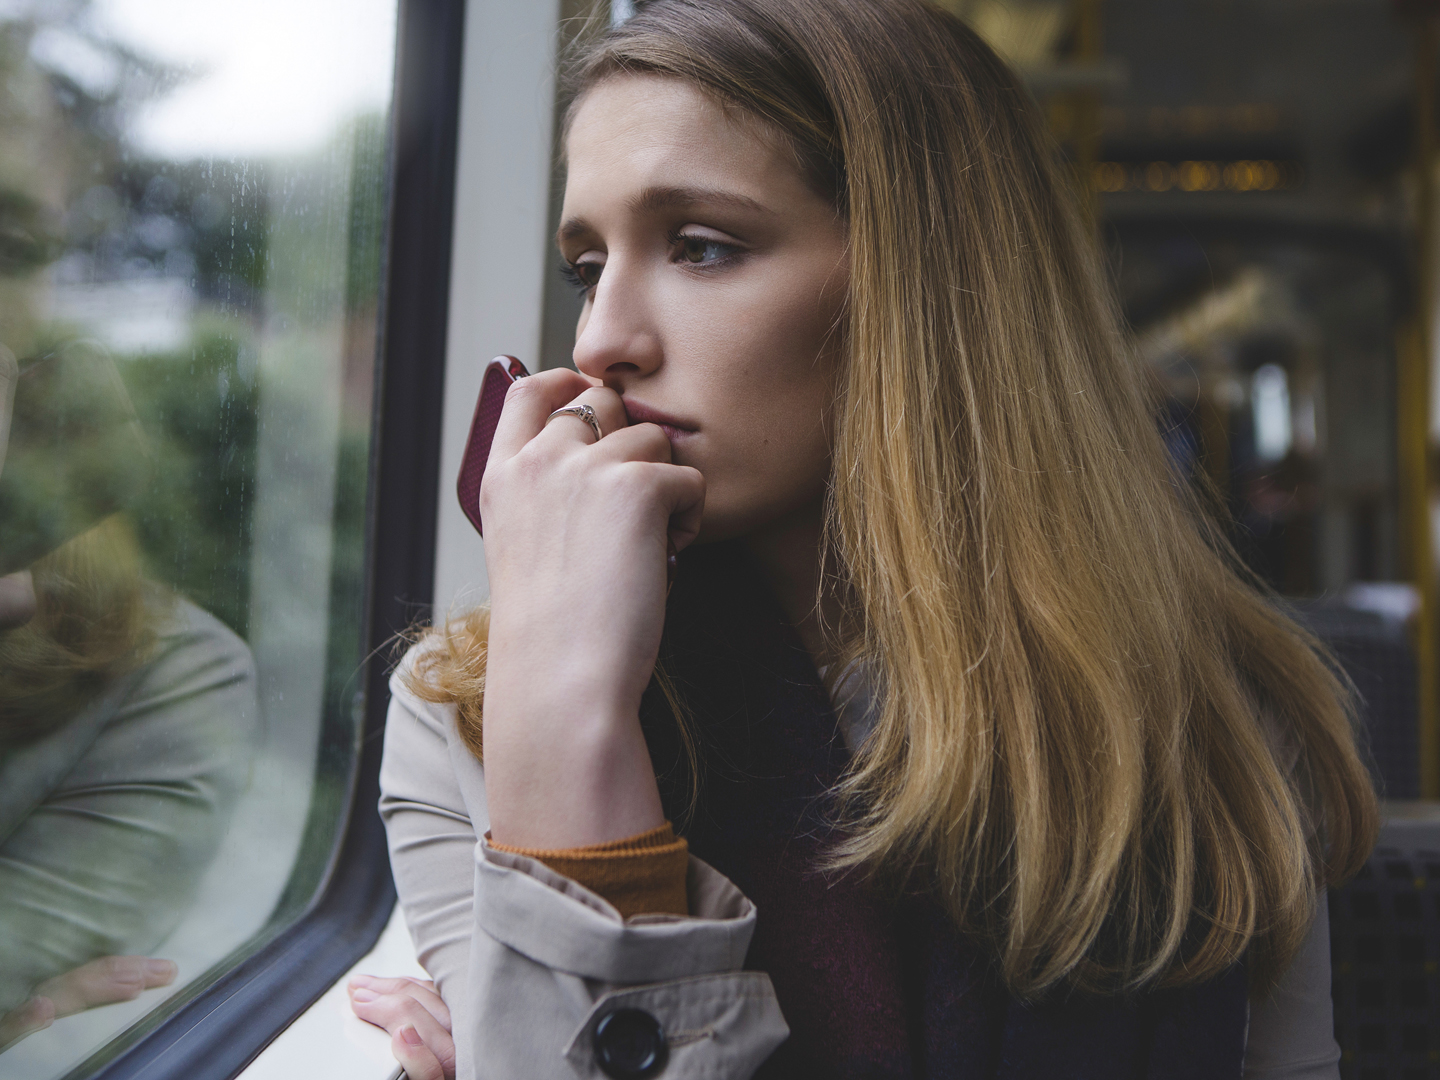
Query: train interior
x,y
252,259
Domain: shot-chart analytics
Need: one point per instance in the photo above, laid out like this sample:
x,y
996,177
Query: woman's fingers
x,y
408,1005
105,981
609,414
419,1060
643,442
100,982
422,991
682,489
528,403
32,1016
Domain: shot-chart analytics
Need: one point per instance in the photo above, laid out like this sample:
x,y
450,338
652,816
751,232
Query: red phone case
x,y
499,374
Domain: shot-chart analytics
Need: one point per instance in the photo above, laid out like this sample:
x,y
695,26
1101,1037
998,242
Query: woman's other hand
x,y
415,1018
100,982
106,981
576,537
34,1015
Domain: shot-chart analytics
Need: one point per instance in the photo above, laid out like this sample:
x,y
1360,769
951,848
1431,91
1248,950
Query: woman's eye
x,y
699,249
583,276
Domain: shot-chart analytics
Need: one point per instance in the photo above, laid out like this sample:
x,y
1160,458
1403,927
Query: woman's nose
x,y
614,338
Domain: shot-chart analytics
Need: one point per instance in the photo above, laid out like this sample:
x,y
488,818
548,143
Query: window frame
x,y
226,1023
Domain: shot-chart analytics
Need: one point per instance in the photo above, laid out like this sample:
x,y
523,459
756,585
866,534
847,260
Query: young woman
x,y
987,759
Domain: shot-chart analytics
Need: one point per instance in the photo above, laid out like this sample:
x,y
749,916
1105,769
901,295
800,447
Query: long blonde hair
x,y
1101,746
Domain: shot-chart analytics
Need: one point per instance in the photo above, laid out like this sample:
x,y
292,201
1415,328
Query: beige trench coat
x,y
530,962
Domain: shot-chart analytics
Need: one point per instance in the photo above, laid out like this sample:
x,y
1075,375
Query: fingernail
x,y
361,980
360,994
410,1035
160,968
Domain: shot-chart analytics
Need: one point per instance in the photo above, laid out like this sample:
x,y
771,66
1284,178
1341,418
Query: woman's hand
x,y
100,982
415,1018
576,536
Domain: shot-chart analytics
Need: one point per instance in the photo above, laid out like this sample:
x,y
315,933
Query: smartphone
x,y
499,374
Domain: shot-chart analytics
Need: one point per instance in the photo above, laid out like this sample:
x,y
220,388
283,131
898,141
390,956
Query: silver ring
x,y
580,412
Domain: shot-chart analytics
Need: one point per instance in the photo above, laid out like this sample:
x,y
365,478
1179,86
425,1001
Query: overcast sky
x,y
271,76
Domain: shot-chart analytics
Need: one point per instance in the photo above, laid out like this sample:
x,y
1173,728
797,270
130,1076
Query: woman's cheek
x,y
759,477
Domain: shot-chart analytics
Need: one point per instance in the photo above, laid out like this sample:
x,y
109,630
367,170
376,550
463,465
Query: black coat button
x,y
629,1043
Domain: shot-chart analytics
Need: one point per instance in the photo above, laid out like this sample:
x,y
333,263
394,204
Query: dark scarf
x,y
871,986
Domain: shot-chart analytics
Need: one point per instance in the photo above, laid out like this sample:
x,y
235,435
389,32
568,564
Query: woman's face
x,y
714,280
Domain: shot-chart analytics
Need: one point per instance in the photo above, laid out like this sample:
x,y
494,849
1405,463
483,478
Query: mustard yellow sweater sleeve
x,y
639,875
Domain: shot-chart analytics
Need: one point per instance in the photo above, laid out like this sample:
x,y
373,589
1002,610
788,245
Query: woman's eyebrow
x,y
570,228
668,198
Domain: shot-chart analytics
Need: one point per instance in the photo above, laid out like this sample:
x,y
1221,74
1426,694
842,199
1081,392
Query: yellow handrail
x,y
1413,406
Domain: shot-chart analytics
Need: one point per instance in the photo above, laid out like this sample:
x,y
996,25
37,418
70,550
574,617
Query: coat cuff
x,y
560,924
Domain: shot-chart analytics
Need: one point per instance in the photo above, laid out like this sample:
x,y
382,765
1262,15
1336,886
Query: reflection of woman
x,y
128,717
1003,770
127,723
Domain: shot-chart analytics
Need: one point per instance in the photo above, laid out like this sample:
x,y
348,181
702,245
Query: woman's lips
x,y
674,428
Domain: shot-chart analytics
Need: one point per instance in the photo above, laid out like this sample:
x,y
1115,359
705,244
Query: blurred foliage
x,y
199,411
82,116
199,407
367,212
228,214
206,221
347,565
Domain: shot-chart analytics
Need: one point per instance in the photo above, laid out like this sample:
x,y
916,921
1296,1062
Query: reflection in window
x,y
190,254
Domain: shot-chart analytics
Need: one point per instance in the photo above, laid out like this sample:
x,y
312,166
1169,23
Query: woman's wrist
x,y
562,774
550,662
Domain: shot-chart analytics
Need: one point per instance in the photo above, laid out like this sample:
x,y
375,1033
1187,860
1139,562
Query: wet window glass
x,y
192,205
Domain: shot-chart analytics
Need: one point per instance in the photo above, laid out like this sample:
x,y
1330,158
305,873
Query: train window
x,y
193,203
